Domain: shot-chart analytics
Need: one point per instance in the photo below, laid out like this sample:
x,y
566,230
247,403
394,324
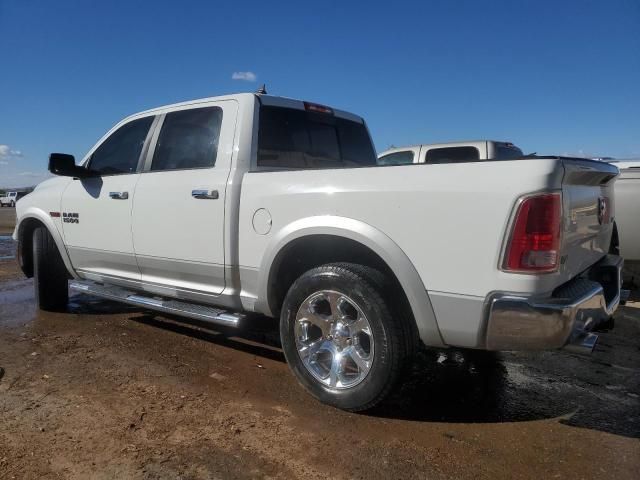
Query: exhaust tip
x,y
584,343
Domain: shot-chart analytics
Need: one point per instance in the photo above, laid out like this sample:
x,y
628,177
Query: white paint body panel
x,y
90,247
627,197
449,220
433,219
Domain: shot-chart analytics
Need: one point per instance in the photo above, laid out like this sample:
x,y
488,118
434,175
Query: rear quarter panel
x,y
450,219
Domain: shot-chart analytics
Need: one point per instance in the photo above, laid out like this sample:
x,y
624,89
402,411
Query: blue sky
x,y
552,76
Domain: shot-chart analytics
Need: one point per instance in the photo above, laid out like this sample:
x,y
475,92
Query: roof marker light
x,y
314,107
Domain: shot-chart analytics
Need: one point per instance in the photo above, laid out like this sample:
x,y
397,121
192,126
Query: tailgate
x,y
587,192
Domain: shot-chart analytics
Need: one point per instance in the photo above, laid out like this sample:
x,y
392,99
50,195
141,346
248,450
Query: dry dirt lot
x,y
107,391
7,220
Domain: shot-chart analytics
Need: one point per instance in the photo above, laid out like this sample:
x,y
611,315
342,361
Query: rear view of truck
x,y
566,233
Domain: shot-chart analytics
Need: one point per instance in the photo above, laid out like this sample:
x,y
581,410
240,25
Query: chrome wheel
x,y
334,339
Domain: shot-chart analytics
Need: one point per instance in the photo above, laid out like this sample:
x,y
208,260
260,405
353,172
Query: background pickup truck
x,y
451,152
11,198
253,203
627,199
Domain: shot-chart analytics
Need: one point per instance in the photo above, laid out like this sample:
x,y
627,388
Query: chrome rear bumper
x,y
564,319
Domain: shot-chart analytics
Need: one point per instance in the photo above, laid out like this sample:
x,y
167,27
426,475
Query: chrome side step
x,y
176,307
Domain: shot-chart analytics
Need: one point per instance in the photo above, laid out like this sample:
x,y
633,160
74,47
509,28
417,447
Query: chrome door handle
x,y
119,195
205,194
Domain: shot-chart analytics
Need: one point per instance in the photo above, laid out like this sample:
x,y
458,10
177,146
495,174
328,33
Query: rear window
x,y
453,155
507,152
397,158
290,138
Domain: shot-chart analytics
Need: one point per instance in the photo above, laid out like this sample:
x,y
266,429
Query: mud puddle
x,y
7,247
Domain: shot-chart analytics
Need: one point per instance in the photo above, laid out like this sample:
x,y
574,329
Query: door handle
x,y
205,194
119,195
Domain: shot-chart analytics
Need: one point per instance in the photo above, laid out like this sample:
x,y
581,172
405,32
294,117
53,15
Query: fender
x,y
45,218
370,237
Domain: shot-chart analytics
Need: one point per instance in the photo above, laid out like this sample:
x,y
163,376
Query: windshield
x,y
291,138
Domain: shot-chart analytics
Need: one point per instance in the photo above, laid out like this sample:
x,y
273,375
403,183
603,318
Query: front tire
x,y
50,277
341,338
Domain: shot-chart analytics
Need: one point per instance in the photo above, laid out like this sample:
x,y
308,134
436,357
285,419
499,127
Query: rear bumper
x,y
562,319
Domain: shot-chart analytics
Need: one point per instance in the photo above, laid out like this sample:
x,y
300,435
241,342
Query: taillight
x,y
534,245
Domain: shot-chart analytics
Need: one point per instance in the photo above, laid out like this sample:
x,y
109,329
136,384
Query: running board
x,y
176,307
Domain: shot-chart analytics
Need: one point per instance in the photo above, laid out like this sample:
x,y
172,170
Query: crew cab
x,y
451,152
216,208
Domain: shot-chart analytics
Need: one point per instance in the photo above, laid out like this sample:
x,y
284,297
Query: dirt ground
x,y
7,220
111,392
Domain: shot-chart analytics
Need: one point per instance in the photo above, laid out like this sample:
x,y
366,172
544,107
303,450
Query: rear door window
x,y
188,139
453,155
293,139
397,158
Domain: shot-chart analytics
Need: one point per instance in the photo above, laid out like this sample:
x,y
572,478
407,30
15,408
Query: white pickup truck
x,y
213,208
627,199
11,198
450,152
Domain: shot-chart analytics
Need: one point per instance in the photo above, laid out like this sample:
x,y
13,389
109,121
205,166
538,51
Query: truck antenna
x,y
262,90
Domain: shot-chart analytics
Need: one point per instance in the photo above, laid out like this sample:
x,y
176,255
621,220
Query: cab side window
x,y
397,158
188,139
121,151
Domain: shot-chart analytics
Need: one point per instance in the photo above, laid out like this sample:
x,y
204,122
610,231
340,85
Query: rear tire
x,y
50,277
352,340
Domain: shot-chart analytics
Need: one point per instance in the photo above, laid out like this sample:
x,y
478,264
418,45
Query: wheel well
x,y
25,244
312,251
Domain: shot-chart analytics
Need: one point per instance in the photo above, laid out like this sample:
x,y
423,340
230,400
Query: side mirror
x,y
65,165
